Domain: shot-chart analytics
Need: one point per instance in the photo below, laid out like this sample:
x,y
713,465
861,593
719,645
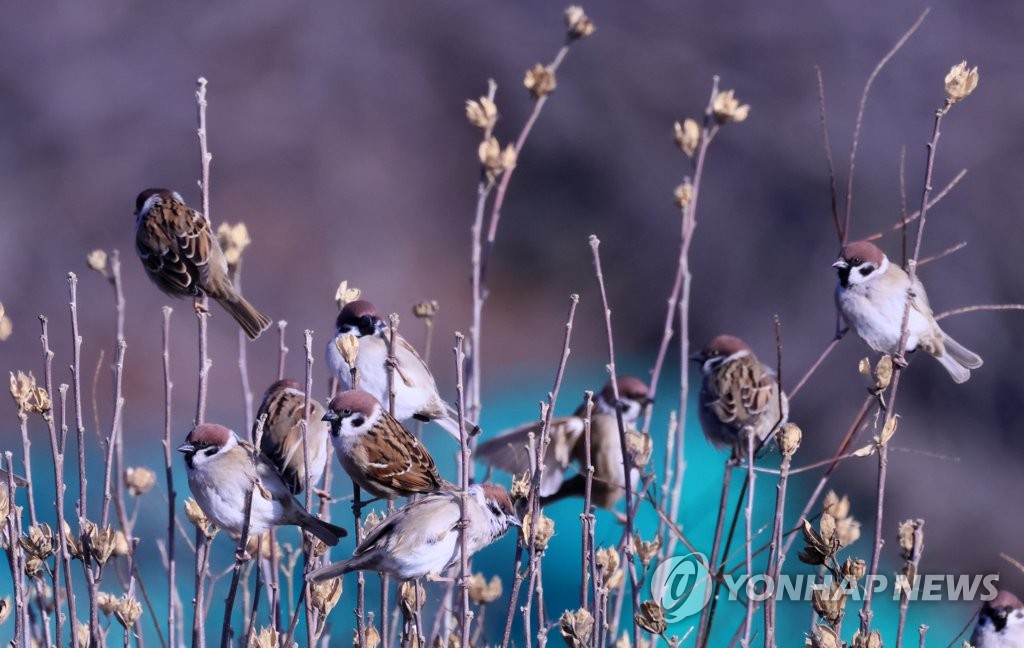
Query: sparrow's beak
x,y
514,520
330,415
186,448
646,401
840,263
697,356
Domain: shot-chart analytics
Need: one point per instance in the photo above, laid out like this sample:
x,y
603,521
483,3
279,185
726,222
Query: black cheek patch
x,y
866,270
358,421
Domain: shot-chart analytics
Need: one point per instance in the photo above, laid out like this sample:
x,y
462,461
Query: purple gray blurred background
x,y
338,136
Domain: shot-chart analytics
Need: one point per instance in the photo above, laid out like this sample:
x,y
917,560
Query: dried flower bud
x,y
545,529
646,550
6,325
788,437
325,594
683,194
197,516
816,549
483,592
727,108
348,346
313,546
835,506
855,568
540,81
121,545
888,429
343,295
261,546
128,611
426,309
611,574
687,136
5,609
102,542
520,487
830,603
33,566
97,260
107,603
580,26
827,527
640,446
372,636
233,240
267,637
83,634
29,397
871,640
651,617
883,372
847,531
960,82
139,480
908,534
72,542
373,518
822,636
411,596
39,541
577,628
495,159
482,113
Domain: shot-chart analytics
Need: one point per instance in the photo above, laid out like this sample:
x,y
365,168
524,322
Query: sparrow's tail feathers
x,y
450,424
329,571
327,532
251,320
961,354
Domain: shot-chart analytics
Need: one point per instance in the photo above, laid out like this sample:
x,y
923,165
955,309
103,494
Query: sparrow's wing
x,y
266,477
920,302
282,433
167,241
410,366
400,460
510,451
742,390
426,521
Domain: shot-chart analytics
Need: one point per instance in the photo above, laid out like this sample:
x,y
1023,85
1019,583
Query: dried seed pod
x,y
646,550
343,295
577,627
830,603
325,594
198,518
651,617
727,108
579,25
426,309
540,81
139,480
687,136
960,82
545,529
233,240
128,611
789,437
97,261
683,194
482,113
483,592
822,636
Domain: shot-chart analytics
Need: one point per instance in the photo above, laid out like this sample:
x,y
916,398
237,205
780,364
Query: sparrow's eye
x,y
855,261
346,412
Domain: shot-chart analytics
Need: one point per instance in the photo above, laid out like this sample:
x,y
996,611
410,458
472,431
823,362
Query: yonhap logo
x,y
682,584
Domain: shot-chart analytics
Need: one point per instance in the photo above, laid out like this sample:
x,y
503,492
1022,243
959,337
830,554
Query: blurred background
x,y
338,136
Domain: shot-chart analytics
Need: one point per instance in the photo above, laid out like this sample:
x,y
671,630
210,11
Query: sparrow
x,y
415,390
378,453
183,258
422,537
1000,623
282,434
738,395
510,451
222,469
872,296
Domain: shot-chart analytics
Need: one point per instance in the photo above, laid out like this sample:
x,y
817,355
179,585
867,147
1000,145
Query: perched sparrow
x,y
738,395
282,434
872,296
509,451
221,472
415,390
422,537
377,452
182,257
1000,623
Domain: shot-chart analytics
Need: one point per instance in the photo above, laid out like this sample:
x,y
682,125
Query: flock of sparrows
x,y
739,398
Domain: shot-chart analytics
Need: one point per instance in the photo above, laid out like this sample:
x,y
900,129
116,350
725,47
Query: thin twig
x,y
169,474
833,189
975,309
282,349
464,459
910,569
860,117
935,257
931,203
